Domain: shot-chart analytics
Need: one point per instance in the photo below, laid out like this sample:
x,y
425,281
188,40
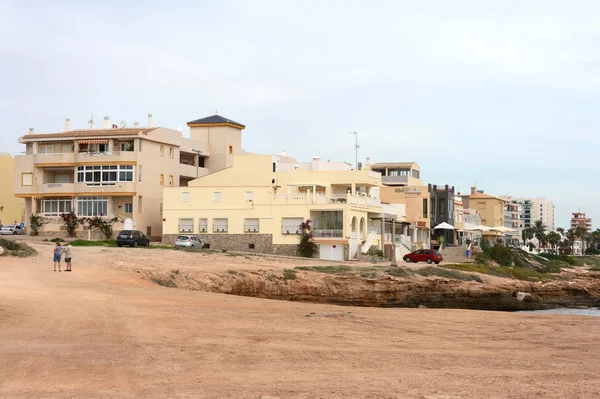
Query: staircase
x,y
369,242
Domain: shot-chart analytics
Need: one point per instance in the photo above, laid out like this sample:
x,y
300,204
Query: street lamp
x,y
197,161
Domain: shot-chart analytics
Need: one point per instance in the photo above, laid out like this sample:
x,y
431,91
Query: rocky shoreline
x,y
388,291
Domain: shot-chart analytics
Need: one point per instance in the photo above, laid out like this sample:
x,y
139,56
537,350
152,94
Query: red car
x,y
424,255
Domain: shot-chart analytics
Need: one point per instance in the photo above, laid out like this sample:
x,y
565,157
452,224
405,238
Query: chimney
x,y
473,189
284,153
136,124
31,130
106,122
67,124
149,120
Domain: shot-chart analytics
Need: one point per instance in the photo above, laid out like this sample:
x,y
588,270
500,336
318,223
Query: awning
x,y
103,141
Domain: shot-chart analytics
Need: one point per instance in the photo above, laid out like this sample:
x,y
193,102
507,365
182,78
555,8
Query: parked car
x,y
12,229
424,255
133,238
189,242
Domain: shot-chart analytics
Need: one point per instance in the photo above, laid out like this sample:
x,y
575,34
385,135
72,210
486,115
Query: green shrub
x,y
517,273
341,269
165,282
306,247
397,272
484,244
500,254
13,248
571,260
85,243
289,274
374,251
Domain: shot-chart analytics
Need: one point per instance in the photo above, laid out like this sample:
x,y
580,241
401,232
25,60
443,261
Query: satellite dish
x,y
123,124
179,129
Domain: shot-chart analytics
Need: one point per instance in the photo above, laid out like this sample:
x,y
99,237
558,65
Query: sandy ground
x,y
104,332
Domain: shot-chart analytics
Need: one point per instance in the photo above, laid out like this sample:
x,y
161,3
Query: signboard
x,y
408,190
421,224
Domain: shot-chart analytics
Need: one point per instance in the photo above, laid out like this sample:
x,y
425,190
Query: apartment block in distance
x,y
259,203
579,219
534,209
118,171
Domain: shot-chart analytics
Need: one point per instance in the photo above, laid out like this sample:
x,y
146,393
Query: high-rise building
x,y
580,220
534,209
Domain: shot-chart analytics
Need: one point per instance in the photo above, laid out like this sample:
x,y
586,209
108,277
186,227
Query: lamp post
x,y
356,147
197,161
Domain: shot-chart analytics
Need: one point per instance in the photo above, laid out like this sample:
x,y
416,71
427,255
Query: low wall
x,y
260,243
94,234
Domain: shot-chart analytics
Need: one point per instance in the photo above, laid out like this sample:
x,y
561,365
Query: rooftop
x,y
394,165
215,120
130,131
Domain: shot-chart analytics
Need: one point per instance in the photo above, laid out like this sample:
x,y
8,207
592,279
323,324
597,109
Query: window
x,y
274,167
442,205
186,225
249,196
202,225
220,226
140,204
291,225
139,173
185,197
126,146
170,180
56,206
170,152
162,180
27,179
251,225
424,207
106,175
92,206
162,150
140,146
46,149
216,197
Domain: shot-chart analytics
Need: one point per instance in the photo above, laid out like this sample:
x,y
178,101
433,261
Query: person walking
x,y
468,251
68,251
58,250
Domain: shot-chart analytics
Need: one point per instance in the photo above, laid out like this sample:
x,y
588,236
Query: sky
x,y
504,94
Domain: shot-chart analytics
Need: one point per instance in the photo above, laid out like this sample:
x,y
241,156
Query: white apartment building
x,y
534,209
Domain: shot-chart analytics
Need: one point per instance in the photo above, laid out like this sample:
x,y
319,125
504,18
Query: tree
x,y
553,239
571,236
527,234
306,247
581,233
539,231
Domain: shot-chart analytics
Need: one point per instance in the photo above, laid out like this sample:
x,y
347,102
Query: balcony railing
x,y
328,233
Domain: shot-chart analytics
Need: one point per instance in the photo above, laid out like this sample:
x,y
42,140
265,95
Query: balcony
x,y
58,159
303,198
191,171
106,157
73,189
394,179
321,233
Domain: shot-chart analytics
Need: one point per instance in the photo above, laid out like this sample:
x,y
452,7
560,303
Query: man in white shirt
x,y
68,251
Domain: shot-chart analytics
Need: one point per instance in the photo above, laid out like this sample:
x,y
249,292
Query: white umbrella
x,y
444,226
502,229
479,228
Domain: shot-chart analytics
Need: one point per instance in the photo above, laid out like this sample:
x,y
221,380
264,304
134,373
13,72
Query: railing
x,y
53,154
54,185
105,153
373,201
327,233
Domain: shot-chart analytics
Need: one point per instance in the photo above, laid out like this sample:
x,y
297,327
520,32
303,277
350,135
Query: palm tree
x,y
539,231
561,231
581,233
553,239
527,234
571,237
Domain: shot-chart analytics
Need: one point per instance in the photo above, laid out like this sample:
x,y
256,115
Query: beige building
x,y
11,207
259,202
402,185
117,171
490,208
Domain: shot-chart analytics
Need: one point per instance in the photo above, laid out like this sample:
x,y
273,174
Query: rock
x,y
524,296
1,251
422,307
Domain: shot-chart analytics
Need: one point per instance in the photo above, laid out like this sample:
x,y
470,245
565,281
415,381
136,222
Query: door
x,y
331,252
149,231
353,242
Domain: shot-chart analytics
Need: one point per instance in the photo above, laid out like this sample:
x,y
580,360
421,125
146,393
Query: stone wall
x,y
262,243
94,234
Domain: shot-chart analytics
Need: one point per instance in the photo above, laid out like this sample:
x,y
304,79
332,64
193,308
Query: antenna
x,y
356,147
216,111
91,121
123,124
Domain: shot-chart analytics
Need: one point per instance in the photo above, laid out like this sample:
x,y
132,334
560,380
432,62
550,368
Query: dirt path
x,y
101,332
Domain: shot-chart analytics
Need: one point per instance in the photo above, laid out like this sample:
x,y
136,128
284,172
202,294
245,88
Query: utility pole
x,y
356,147
197,161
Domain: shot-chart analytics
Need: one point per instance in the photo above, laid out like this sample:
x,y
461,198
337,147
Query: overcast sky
x,y
502,93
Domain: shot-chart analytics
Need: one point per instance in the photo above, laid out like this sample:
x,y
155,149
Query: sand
x,y
103,331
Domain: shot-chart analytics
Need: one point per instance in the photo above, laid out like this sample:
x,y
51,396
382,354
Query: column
x,y
394,261
353,189
382,231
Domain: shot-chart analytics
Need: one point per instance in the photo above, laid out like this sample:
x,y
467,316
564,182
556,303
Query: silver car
x,y
11,229
188,242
